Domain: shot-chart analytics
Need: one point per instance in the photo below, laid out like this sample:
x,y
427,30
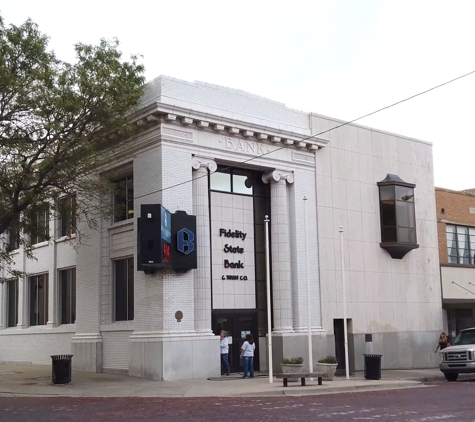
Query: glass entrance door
x,y
237,325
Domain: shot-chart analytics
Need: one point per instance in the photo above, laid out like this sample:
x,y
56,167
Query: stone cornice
x,y
237,128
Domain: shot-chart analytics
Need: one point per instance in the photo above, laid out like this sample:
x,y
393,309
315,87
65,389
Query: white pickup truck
x,y
459,358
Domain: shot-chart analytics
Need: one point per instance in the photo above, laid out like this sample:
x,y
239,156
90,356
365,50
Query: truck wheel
x,y
452,377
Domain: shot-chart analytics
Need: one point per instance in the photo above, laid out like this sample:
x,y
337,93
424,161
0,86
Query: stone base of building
x,y
87,351
168,357
404,350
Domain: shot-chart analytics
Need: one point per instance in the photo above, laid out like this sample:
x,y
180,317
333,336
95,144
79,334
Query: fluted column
x,y
280,235
203,272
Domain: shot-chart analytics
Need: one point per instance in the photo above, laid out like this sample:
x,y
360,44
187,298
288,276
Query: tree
x,y
56,121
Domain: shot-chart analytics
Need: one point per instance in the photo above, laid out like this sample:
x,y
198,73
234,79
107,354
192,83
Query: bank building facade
x,y
226,159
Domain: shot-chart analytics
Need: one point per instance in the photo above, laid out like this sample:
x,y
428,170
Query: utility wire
x,y
316,134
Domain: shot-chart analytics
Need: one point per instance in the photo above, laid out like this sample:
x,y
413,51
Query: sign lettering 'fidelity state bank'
x,y
228,248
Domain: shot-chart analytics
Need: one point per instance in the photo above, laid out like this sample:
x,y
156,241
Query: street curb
x,y
316,391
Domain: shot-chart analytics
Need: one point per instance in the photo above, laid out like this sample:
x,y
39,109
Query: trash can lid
x,y
372,356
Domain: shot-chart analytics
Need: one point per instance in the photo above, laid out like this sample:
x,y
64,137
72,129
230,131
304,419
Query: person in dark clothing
x,y
443,342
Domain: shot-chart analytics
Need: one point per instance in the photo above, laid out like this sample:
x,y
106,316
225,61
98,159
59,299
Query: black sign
x,y
184,256
165,240
154,238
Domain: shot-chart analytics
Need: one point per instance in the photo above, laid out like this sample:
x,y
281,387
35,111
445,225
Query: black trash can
x,y
372,367
61,368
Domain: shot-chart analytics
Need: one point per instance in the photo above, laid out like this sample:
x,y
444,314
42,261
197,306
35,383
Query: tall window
x,y
13,236
12,304
38,299
124,289
398,221
67,294
460,244
39,224
124,199
67,216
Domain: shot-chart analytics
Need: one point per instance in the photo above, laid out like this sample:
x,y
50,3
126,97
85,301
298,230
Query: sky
x,y
339,58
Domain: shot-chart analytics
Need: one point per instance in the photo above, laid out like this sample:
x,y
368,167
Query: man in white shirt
x,y
224,345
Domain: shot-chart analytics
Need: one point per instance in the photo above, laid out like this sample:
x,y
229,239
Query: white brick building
x,y
230,158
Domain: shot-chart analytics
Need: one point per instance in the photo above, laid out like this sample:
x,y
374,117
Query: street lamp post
x,y
269,321
345,328
309,310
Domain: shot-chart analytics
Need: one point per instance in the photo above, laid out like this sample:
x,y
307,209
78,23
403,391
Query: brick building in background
x,y
456,231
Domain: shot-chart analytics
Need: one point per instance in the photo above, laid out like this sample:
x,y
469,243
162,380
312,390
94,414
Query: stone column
x,y
280,248
203,272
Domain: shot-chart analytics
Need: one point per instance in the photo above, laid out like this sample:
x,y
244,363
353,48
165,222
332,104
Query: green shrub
x,y
292,361
328,359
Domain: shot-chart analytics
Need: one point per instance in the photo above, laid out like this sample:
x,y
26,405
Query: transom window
x,y
232,180
460,244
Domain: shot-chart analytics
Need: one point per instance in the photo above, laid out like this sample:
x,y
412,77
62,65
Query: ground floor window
x,y
124,289
12,303
67,287
38,299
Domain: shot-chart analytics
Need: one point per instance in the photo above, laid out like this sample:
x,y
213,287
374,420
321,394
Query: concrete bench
x,y
300,376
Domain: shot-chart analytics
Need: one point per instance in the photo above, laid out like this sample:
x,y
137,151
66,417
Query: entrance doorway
x,y
237,324
339,330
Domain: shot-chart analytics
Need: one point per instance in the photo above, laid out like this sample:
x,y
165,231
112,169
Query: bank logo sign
x,y
165,240
185,239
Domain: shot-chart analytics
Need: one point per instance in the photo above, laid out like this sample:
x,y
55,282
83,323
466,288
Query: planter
x,y
291,368
328,370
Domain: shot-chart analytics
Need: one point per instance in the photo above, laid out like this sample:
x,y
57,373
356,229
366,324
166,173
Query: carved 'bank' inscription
x,y
244,146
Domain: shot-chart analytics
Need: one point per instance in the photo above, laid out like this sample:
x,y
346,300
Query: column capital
x,y
277,175
208,163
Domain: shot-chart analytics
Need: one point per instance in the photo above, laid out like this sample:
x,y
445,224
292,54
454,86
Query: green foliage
x,y
328,359
292,361
57,119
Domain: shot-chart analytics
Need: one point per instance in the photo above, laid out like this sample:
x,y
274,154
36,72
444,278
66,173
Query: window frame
x,y
130,306
45,299
13,236
470,247
37,213
72,285
128,181
67,217
232,173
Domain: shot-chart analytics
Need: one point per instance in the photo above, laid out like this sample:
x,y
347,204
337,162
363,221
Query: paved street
x,y
434,402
